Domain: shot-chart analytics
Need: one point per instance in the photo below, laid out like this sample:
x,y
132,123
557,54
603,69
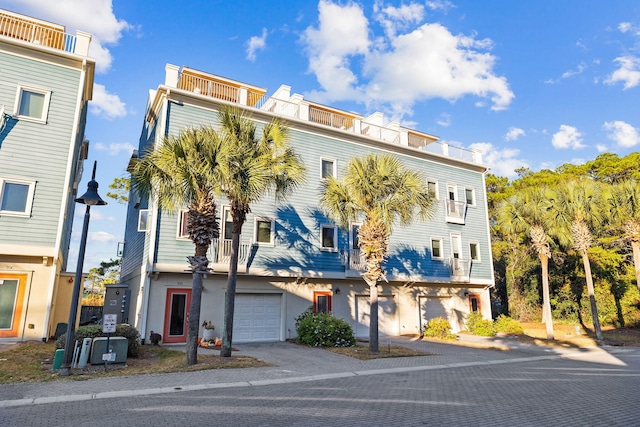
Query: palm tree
x,y
183,171
379,190
625,210
577,207
252,165
527,212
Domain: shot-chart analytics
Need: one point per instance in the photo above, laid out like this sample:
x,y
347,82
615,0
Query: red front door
x,y
176,315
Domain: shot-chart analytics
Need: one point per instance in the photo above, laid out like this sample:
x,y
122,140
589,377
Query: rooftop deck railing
x,y
29,31
278,106
380,132
328,118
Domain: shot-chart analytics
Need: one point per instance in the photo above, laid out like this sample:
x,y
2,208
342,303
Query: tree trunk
x,y
636,261
546,302
199,267
592,295
373,318
230,297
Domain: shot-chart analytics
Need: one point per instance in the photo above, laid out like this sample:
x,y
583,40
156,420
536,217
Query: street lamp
x,y
90,198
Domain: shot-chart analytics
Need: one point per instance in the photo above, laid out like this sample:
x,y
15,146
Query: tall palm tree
x,y
625,210
379,190
183,171
527,212
253,164
576,208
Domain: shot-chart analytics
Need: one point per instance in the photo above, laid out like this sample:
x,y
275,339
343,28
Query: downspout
x,y
64,206
147,269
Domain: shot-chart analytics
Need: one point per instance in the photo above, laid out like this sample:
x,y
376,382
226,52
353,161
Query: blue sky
x,y
530,83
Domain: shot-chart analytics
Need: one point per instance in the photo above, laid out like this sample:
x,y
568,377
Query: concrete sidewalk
x,y
291,363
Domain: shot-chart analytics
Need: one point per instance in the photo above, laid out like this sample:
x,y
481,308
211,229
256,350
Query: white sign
x,y
109,357
109,323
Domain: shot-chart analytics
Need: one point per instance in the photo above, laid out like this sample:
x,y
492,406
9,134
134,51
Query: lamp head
x,y
91,197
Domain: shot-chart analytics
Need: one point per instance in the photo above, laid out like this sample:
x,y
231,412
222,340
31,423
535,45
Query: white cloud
x,y
106,104
398,70
601,148
443,5
255,44
97,215
95,17
567,137
629,72
514,133
502,162
114,149
624,27
393,18
571,73
444,120
622,133
101,237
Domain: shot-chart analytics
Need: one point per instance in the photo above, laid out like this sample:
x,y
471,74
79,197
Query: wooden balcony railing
x,y
33,32
328,118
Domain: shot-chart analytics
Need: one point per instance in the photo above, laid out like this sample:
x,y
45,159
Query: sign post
x,y
108,327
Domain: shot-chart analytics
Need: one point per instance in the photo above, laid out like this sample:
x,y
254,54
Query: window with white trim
x,y
436,248
328,238
327,168
16,197
432,186
32,103
264,231
182,224
470,196
474,251
143,220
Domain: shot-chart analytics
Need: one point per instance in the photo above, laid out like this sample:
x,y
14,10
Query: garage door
x,y
387,316
431,308
257,318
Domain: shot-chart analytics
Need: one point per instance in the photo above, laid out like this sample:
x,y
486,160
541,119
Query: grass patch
x,y
31,362
362,352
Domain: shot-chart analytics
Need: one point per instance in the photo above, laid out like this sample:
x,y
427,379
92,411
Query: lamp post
x,y
90,198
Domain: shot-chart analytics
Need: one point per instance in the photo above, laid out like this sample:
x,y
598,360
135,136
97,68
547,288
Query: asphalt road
x,y
554,392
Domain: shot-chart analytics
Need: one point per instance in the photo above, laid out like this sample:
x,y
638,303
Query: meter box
x,y
117,345
116,301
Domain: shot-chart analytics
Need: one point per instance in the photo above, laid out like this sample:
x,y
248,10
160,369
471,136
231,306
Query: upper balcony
x,y
43,33
295,106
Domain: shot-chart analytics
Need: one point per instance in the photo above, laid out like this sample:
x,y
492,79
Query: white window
x,y
227,224
264,231
436,248
182,224
474,251
327,168
470,196
456,246
432,186
16,197
32,104
328,238
143,220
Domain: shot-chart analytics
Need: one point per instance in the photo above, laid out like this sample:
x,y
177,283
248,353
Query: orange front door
x,y
176,315
12,288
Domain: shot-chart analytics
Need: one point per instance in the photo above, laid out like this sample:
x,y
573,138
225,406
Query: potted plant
x,y
207,331
155,338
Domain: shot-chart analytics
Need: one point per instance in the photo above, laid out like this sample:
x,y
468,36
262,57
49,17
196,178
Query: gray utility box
x,y
118,345
116,301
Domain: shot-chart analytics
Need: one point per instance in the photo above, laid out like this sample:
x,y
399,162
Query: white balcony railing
x,y
278,106
380,132
460,269
220,251
456,211
355,260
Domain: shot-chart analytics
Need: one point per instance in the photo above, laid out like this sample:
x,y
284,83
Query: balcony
x,y
460,269
38,32
220,252
380,132
456,211
203,84
330,118
354,260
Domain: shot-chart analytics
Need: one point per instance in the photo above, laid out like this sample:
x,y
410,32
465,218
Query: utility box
x,y
117,345
116,301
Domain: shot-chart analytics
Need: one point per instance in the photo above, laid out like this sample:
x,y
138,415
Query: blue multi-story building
x,y
292,256
46,81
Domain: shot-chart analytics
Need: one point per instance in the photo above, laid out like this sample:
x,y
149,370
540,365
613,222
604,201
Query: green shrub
x,y
508,325
93,331
324,330
479,326
438,327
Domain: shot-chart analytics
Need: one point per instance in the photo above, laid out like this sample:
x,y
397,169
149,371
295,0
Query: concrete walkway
x,y
294,363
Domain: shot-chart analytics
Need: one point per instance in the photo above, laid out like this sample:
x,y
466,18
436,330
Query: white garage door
x,y
387,316
257,318
430,308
